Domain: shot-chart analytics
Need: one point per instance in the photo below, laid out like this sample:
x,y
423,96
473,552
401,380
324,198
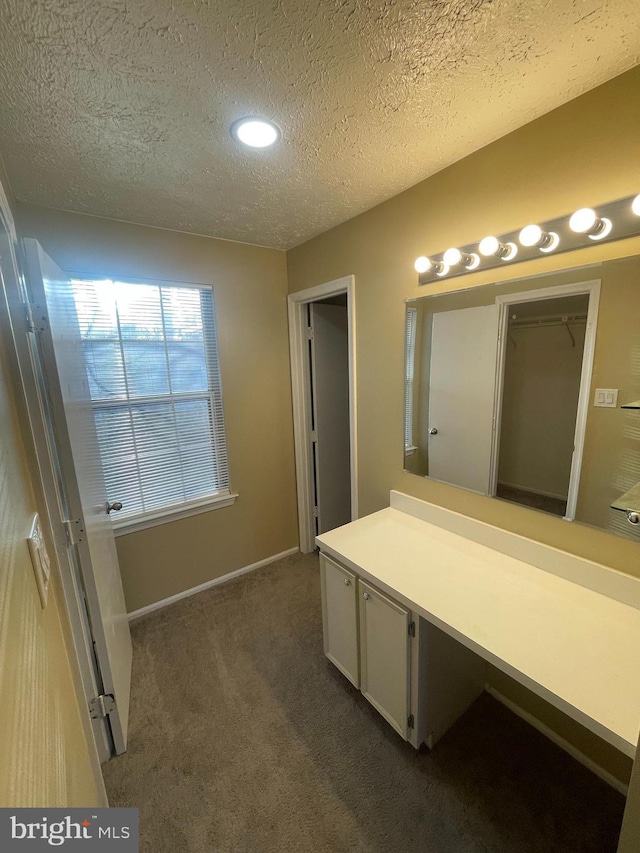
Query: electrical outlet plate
x,y
40,559
606,398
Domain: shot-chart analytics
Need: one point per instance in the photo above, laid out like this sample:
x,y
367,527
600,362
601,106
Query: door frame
x,y
300,381
504,301
42,470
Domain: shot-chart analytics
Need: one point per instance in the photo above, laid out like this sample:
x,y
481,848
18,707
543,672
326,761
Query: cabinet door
x,y
384,655
340,617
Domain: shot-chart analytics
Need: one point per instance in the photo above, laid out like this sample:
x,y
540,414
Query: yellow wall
x,y
44,758
250,293
582,153
586,152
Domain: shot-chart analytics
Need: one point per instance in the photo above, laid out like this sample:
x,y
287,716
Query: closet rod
x,y
560,320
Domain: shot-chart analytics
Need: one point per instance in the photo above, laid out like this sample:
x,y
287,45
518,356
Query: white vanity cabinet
x,y
419,679
367,636
564,627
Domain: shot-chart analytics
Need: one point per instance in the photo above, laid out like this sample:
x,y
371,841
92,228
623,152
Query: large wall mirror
x,y
529,391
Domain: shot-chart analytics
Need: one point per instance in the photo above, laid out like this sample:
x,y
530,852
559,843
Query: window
x,y
152,364
410,355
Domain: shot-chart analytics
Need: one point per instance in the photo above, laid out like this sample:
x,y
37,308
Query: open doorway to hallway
x,y
322,342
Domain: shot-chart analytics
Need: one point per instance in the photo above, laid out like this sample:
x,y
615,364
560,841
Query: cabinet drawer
x,y
340,617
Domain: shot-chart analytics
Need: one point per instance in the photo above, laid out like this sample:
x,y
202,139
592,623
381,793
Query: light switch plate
x,y
606,398
40,559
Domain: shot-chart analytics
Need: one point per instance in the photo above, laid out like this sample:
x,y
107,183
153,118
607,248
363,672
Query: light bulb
x,y
635,205
533,235
530,235
583,220
255,132
491,247
587,221
424,264
454,257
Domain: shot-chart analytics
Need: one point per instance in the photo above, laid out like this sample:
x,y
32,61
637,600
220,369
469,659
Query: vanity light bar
x,y
613,221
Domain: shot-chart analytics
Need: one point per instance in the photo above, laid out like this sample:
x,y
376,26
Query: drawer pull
x,y
366,596
347,582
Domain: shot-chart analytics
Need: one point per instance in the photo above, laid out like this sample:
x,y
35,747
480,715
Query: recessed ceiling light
x,y
255,132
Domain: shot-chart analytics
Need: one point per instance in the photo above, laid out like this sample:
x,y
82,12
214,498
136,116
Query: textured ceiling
x,y
122,108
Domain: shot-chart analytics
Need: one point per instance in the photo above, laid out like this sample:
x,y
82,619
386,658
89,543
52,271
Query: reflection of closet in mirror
x,y
542,369
542,395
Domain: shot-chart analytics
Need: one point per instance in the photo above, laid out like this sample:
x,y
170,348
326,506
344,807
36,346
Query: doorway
x,y
545,360
322,345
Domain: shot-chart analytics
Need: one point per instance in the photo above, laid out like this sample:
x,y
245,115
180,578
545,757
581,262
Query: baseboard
x,y
187,593
532,491
559,741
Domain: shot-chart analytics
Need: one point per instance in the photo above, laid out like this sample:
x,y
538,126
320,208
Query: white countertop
x,y
576,647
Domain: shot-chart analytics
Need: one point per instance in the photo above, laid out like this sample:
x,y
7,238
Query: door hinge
x,y
316,512
101,706
412,629
309,333
314,436
35,316
410,721
74,530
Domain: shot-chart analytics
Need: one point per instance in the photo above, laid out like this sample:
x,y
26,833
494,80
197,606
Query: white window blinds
x,y
410,356
152,362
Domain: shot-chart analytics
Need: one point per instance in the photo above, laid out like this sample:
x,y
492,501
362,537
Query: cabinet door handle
x,y
347,582
366,596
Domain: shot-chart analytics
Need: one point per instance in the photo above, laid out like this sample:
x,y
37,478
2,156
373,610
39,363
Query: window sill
x,y
132,525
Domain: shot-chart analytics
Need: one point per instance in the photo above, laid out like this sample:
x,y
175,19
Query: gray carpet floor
x,y
245,739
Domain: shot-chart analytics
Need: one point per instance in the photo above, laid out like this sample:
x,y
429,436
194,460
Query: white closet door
x,y
79,454
340,617
384,655
461,396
